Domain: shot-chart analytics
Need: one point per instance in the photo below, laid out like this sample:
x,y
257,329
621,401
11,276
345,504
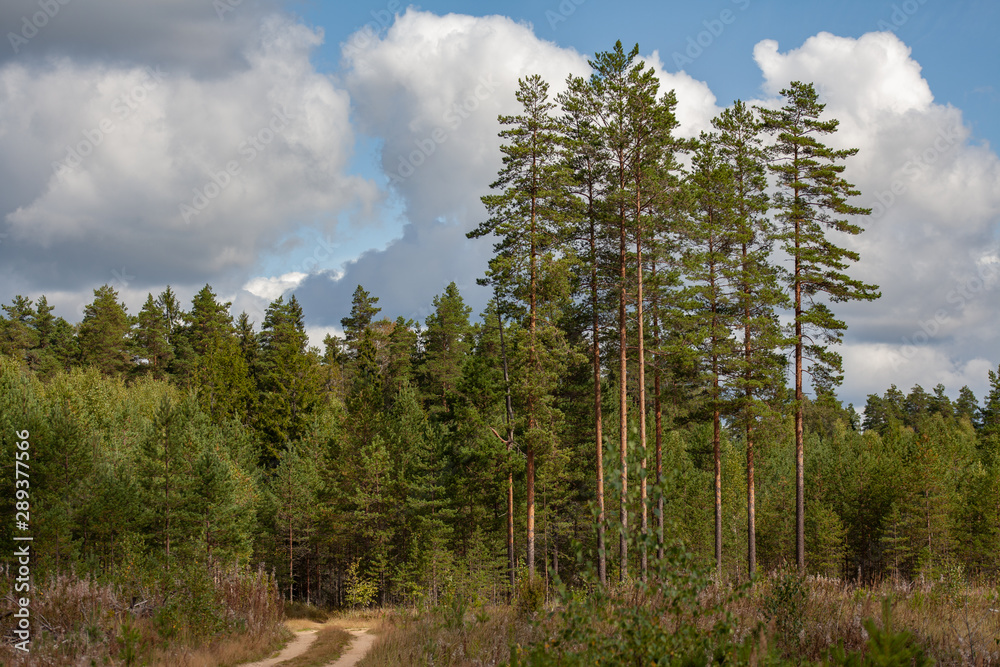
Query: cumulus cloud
x,y
203,38
174,177
696,105
431,89
935,195
164,143
272,288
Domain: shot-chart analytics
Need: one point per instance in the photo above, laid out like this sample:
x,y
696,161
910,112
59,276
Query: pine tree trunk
x,y
658,422
642,387
533,362
751,508
748,417
602,560
800,512
511,565
166,488
622,404
531,513
716,430
717,451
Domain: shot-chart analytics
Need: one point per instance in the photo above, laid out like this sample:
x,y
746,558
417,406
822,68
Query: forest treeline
x,y
658,305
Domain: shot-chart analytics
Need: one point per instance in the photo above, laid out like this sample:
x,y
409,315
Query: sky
x,y
270,148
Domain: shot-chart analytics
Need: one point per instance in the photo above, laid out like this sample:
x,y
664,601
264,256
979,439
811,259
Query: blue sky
x,y
250,144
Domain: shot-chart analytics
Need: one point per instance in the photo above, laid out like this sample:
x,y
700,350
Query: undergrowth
x,y
682,616
189,616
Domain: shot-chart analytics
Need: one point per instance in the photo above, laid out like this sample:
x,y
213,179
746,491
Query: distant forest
x,y
659,306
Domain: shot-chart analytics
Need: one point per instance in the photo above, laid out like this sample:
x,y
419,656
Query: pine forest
x,y
636,454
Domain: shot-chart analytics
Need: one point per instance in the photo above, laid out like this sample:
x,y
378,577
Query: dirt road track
x,y
295,647
359,647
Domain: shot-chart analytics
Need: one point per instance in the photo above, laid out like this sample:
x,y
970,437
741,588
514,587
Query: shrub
x,y
785,606
306,611
530,595
672,618
885,647
361,589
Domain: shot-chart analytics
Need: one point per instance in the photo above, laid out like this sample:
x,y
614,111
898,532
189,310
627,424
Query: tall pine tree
x,y
527,217
811,199
758,372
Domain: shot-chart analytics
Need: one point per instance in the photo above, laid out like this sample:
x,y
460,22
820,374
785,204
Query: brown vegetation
x,y
78,621
799,619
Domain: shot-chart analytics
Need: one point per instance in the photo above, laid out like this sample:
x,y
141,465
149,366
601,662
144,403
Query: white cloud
x,y
272,288
176,178
695,100
431,89
318,334
874,72
870,368
935,197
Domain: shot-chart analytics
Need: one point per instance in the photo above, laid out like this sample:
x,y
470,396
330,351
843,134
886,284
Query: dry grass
x,y
482,638
954,624
330,643
81,622
372,620
226,652
78,621
302,624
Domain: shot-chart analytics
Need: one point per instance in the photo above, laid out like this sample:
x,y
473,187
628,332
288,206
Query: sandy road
x,y
356,650
359,647
298,645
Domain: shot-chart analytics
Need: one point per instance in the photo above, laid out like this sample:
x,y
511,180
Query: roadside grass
x,y
329,645
953,621
806,621
814,620
190,617
223,653
483,637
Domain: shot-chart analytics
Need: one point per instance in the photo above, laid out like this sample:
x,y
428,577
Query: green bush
x,y
667,620
785,606
306,611
530,595
885,648
129,639
361,589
